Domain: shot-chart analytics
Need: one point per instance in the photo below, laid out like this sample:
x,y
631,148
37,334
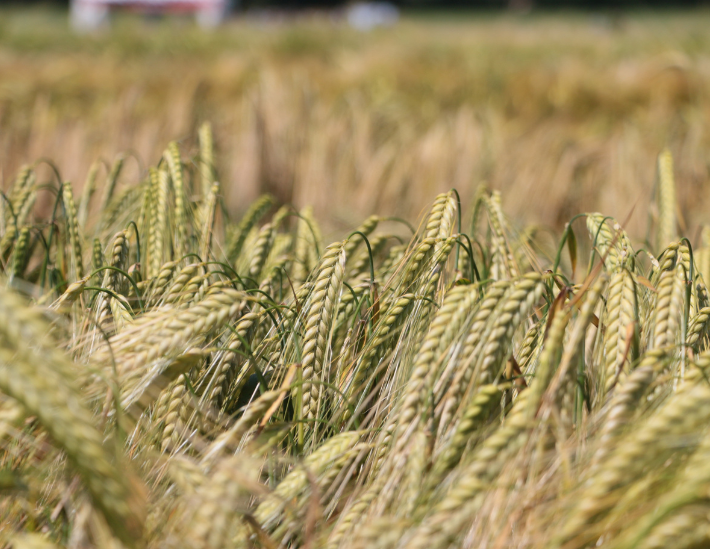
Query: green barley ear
x,y
73,229
23,180
504,263
212,513
209,212
670,299
621,303
255,212
22,206
160,185
327,455
666,232
369,225
207,169
114,281
20,255
609,240
320,315
41,379
260,251
172,157
97,260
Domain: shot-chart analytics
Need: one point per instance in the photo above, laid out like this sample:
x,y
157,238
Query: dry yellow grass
x,y
320,115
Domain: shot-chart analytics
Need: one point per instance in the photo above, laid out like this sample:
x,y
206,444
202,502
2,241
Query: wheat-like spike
x,y
208,216
230,439
419,257
625,399
360,263
666,201
23,207
151,223
41,379
564,388
391,262
71,294
381,532
382,339
185,474
171,413
525,293
448,217
621,304
501,250
618,254
97,260
73,228
118,258
703,296
689,527
458,506
162,332
433,276
690,487
228,360
321,312
261,249
22,181
120,311
211,520
113,280
21,189
327,455
475,413
438,227
669,300
685,258
354,514
20,255
207,168
172,157
697,328
161,283
159,225
435,224
367,226
425,367
195,290
257,209
178,287
491,301
8,211
683,413
418,450
528,346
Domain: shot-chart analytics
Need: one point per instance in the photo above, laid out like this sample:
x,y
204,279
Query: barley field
x,y
288,285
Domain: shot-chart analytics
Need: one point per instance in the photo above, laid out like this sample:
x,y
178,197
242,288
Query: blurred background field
x,y
563,112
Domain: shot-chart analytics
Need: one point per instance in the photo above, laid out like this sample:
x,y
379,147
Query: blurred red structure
x,y
91,14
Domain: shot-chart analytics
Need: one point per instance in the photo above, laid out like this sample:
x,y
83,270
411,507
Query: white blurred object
x,y
86,15
365,16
